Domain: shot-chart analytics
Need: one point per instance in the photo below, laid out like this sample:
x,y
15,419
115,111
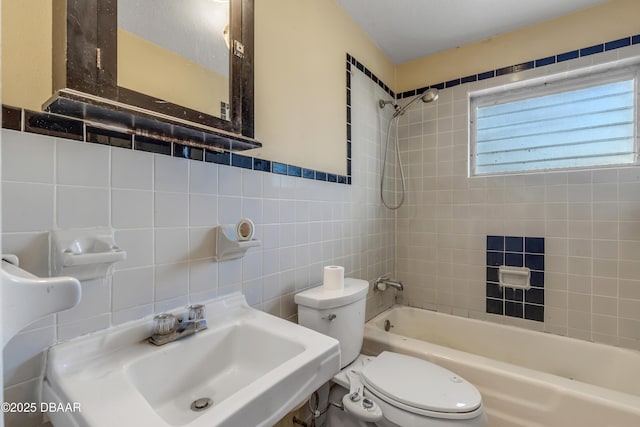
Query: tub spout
x,y
383,281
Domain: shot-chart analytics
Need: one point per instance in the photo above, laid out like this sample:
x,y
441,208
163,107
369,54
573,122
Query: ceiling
x,y
410,29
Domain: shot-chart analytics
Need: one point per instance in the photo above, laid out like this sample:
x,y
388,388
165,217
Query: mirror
x,y
185,43
158,67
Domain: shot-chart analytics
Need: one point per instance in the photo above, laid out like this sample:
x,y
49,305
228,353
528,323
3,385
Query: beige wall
x,y
26,52
299,66
196,86
609,21
300,80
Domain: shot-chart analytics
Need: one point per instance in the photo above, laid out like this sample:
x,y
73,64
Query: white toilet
x,y
391,389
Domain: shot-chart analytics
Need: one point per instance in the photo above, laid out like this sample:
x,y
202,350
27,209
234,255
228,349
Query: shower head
x,y
429,95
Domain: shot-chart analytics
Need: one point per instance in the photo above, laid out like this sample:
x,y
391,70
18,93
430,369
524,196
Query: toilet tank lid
x,y
321,298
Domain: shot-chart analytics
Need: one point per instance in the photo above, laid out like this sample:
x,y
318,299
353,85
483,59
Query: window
x,y
580,122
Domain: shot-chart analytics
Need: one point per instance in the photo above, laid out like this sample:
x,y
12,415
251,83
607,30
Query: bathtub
x,y
526,378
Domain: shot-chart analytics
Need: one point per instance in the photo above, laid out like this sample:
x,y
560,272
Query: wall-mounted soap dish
x,y
514,277
227,244
84,253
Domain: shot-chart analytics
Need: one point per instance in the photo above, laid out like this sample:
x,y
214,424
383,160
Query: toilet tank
x,y
336,313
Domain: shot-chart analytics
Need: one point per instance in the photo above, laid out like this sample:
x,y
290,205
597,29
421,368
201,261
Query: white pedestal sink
x,y
248,369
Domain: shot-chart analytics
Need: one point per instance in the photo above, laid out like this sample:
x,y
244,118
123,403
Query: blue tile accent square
x,y
486,75
494,291
342,179
534,312
635,39
438,86
220,158
495,258
495,243
513,259
492,274
534,295
545,61
309,173
592,50
241,161
514,244
514,251
332,178
505,70
534,262
568,55
513,294
469,79
452,83
279,168
187,152
524,66
495,306
617,44
513,309
151,145
534,245
321,176
537,279
294,171
262,165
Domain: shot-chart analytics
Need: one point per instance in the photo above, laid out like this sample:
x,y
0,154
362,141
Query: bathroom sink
x,y
247,369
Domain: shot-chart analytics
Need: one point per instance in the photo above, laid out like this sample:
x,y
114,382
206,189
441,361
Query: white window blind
x,y
580,123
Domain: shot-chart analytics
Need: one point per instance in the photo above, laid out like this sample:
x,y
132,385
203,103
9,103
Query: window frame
x,y
565,81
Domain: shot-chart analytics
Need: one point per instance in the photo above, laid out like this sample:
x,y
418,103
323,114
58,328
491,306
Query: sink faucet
x,y
167,328
382,282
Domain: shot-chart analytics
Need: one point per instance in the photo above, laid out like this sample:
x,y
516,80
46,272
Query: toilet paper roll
x,y
245,229
333,277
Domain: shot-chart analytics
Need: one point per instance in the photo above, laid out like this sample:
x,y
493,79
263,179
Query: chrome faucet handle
x,y
164,324
196,312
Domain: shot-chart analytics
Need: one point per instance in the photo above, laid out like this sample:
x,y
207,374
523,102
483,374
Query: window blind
x,y
584,127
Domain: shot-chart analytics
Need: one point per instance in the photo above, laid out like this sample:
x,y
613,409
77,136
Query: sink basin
x,y
248,369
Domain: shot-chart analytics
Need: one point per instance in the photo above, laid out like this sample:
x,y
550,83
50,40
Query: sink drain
x,y
201,404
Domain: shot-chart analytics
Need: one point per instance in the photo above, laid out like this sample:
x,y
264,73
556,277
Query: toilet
x,y
391,389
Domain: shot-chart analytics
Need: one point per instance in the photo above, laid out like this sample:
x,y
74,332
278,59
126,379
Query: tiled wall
x,y
163,210
590,220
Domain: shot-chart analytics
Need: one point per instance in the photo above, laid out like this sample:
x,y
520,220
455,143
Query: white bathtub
x,y
526,378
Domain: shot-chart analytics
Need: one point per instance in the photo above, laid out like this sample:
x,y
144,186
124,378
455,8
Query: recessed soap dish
x,y
514,277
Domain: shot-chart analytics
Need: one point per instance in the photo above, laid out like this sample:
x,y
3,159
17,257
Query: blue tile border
x,y
59,126
541,62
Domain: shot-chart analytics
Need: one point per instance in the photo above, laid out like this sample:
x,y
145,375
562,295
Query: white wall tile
x,y
229,209
139,246
203,178
131,169
131,208
171,174
171,245
171,209
22,357
229,181
203,276
79,163
203,210
81,207
172,281
27,157
132,288
27,207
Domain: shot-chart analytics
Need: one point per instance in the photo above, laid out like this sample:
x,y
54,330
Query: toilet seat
x,y
420,387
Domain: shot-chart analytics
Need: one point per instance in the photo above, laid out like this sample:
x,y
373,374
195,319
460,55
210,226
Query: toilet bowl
x,y
390,390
